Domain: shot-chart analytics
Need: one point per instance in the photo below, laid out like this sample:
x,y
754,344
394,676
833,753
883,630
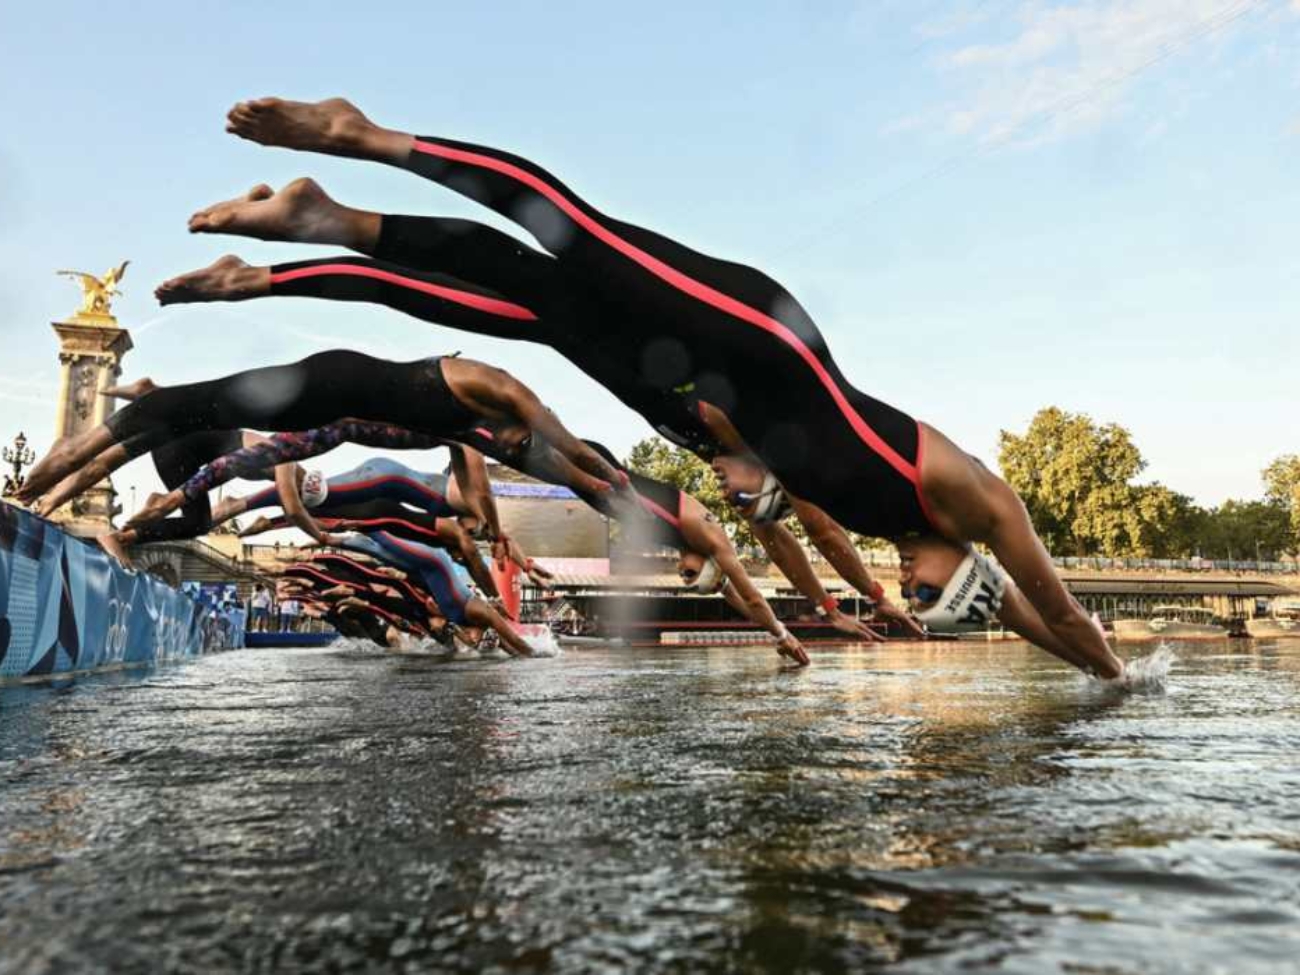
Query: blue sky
x,y
988,206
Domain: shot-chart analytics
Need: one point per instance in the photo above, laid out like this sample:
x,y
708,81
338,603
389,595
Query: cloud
x,y
1065,68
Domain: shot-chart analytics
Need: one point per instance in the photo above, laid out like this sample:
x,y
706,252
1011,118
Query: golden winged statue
x,y
97,293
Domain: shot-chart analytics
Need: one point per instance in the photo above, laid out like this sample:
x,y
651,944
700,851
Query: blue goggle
x,y
924,593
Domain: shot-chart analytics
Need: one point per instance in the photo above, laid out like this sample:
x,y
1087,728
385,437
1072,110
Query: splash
x,y
543,643
1146,675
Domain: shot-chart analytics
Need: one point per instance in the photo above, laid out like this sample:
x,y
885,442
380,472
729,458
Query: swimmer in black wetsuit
x,y
742,353
438,396
516,293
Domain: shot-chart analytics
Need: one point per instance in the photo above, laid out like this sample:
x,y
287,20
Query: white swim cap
x,y
710,578
970,599
315,489
770,503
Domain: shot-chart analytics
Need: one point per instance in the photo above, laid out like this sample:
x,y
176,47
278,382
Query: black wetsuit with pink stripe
x,y
663,327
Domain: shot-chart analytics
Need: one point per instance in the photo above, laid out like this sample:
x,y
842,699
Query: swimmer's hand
x,y
789,646
157,506
852,626
888,611
331,541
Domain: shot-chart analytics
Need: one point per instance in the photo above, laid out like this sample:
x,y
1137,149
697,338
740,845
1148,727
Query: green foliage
x,y
1075,477
1282,487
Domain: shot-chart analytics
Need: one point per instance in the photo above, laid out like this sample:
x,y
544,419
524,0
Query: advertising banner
x,y
66,607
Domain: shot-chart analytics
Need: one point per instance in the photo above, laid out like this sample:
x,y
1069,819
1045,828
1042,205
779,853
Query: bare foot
x,y
302,211
262,524
334,126
229,279
131,391
226,509
111,544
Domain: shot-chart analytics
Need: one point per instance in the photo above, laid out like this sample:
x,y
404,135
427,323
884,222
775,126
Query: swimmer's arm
x,y
545,424
480,613
1022,554
470,471
567,473
784,549
755,607
286,485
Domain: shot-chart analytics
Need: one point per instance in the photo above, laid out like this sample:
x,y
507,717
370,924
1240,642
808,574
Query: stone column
x,y
91,347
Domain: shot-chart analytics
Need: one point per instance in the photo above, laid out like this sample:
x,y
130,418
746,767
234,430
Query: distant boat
x,y
1284,620
1172,622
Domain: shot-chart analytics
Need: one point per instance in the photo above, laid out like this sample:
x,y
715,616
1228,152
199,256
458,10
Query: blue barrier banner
x,y
65,606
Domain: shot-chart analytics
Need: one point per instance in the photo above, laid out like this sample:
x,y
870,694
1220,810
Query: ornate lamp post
x,y
18,456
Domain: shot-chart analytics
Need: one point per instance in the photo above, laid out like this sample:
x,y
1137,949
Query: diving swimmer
x,y
736,351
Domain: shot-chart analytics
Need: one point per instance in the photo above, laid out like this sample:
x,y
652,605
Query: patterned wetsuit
x,y
663,327
284,447
317,390
175,462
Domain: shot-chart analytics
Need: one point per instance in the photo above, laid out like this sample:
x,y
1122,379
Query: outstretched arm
x,y
470,472
830,538
755,607
481,613
286,485
788,555
1076,638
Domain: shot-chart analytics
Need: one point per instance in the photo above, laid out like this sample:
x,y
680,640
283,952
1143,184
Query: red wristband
x,y
876,592
528,565
831,604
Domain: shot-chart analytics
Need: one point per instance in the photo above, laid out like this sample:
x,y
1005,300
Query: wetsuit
x,y
431,566
341,570
176,462
407,607
285,447
314,391
663,327
378,479
370,516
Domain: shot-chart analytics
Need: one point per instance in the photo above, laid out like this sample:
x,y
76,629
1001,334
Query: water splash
x,y
544,644
1146,675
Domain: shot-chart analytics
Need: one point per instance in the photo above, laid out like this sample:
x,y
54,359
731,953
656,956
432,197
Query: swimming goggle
x,y
770,503
924,593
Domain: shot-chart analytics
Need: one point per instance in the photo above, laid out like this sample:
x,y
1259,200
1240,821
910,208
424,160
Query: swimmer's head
x,y
315,488
752,489
701,573
950,588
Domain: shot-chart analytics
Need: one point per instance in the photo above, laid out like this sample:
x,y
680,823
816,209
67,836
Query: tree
x,y
1074,475
1282,487
1245,529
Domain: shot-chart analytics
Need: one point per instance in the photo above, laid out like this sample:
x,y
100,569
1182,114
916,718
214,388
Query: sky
x,y
989,206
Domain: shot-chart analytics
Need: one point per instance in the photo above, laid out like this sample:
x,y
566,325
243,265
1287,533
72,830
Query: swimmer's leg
x,y
80,481
65,457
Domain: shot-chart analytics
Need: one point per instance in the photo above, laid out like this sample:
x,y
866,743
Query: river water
x,y
918,809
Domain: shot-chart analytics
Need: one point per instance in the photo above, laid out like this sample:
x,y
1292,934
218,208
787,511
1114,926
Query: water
x,y
918,809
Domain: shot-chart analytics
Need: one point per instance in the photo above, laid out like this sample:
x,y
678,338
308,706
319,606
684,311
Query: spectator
x,y
259,609
290,610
